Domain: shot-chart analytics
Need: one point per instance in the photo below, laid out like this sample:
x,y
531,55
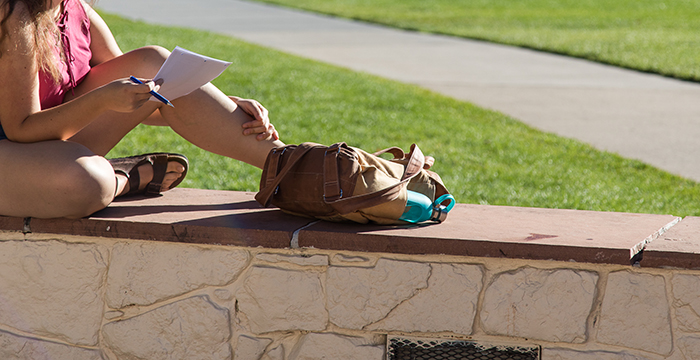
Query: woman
x,y
60,117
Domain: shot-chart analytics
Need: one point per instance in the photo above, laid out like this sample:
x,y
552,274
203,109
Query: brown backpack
x,y
340,183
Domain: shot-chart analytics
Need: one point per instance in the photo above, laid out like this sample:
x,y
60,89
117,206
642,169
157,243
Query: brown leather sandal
x,y
128,166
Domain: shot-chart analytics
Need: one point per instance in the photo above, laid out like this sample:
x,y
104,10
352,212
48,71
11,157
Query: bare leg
x,y
206,117
210,120
105,132
53,179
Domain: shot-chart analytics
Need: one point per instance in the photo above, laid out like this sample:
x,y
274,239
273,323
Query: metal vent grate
x,y
400,348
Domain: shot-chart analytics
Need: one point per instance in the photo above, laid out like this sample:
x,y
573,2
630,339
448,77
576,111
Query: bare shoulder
x,y
4,9
103,45
87,6
18,25
19,12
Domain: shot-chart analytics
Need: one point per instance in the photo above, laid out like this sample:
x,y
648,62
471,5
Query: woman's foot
x,y
174,172
149,174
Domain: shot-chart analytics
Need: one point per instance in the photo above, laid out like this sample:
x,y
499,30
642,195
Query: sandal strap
x,y
128,167
134,180
160,167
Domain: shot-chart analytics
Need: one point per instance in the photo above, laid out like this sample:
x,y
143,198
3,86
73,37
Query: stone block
x,y
635,313
53,289
250,348
144,272
347,260
337,347
304,260
686,295
688,320
550,305
689,346
358,297
13,347
566,354
282,300
448,304
277,353
186,329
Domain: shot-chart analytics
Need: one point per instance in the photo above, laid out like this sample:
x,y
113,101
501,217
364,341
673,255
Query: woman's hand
x,y
125,96
261,125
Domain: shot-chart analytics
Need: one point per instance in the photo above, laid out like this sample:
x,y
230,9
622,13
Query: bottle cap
x,y
439,214
440,211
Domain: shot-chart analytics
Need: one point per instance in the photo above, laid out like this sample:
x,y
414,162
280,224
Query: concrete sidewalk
x,y
637,115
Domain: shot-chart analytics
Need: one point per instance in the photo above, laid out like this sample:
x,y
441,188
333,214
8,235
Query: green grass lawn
x,y
648,35
483,156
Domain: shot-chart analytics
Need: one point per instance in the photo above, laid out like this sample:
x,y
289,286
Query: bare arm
x,y
20,110
104,48
102,43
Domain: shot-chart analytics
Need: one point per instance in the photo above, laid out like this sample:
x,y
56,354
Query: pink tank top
x,y
74,27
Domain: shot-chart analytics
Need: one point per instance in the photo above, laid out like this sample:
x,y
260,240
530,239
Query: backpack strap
x,y
272,165
354,203
273,180
331,182
399,155
394,150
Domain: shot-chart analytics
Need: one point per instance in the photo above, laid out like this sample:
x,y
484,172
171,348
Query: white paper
x,y
185,71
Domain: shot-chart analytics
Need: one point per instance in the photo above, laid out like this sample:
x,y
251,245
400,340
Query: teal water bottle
x,y
419,208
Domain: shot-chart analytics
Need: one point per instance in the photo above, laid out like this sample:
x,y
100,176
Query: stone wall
x,y
71,297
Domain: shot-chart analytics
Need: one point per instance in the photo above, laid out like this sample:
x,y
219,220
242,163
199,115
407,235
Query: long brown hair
x,y
44,29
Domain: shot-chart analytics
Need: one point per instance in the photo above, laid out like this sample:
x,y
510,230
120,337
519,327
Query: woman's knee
x,y
150,57
98,184
86,186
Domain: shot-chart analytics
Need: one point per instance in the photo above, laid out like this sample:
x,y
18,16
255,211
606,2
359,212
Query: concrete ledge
x,y
180,215
509,232
234,218
677,248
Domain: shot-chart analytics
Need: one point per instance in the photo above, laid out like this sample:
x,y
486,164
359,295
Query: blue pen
x,y
155,94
